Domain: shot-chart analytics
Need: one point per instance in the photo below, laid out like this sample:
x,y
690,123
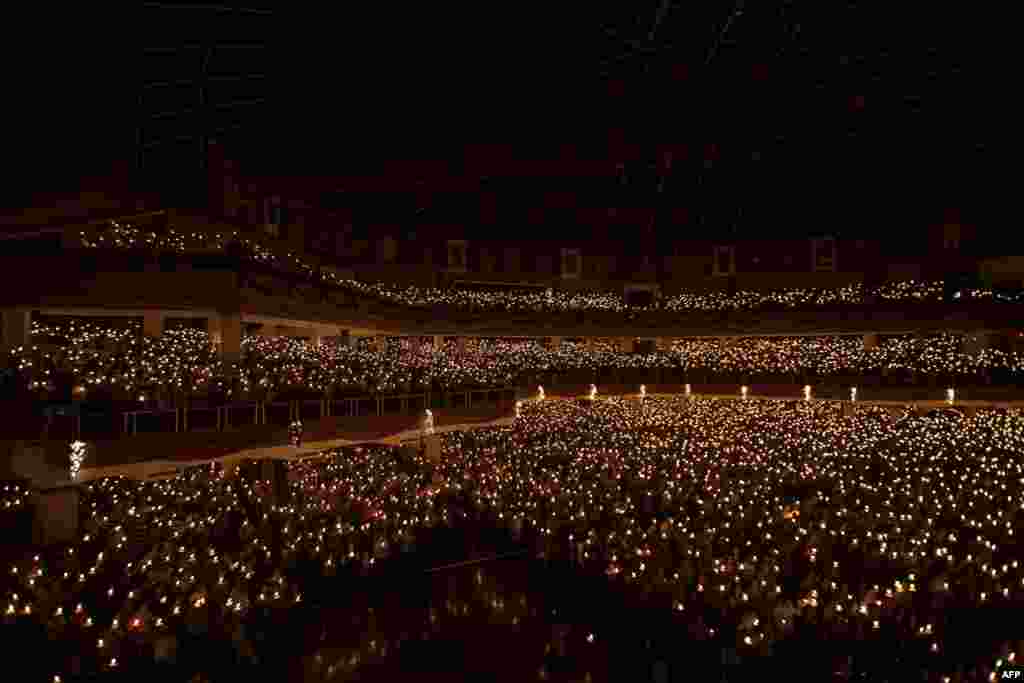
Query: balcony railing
x,y
89,421
114,247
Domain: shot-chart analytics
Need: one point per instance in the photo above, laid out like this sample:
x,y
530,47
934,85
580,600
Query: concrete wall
x,y
70,282
1007,268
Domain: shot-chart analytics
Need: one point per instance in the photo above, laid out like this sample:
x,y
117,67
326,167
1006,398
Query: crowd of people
x,y
889,542
550,300
94,359
555,301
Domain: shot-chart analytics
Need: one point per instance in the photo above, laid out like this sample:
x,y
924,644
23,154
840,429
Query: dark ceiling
x,y
786,112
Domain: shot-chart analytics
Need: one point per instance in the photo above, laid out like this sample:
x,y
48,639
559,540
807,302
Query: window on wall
x,y
457,255
320,241
571,263
543,263
343,239
387,250
823,254
725,261
951,237
511,260
273,216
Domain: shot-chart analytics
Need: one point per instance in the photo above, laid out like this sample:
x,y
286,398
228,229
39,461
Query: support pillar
x,y
153,323
438,342
213,330
17,328
231,337
870,341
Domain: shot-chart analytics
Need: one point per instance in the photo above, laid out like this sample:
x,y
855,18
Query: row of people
x,y
752,523
123,236
94,359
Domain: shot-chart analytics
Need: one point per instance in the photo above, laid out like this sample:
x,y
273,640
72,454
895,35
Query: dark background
x,y
817,112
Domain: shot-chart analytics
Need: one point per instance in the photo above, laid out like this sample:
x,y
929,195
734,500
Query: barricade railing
x,y
238,414
279,413
87,423
131,419
200,416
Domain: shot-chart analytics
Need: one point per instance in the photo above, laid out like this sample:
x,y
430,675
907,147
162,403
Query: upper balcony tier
x,y
122,267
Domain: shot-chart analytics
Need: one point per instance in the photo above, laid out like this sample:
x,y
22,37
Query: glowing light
x,y
78,449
